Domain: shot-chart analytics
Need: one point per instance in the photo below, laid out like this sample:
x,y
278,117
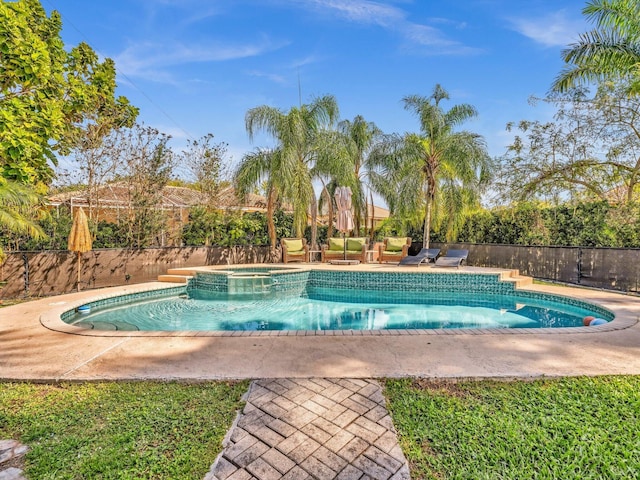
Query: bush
x,y
589,224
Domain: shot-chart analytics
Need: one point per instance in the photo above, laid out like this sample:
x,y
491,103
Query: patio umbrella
x,y
344,220
80,237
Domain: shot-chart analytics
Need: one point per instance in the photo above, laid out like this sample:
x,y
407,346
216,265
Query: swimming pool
x,y
263,299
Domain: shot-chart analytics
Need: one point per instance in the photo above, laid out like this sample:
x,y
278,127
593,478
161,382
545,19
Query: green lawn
x,y
119,430
574,428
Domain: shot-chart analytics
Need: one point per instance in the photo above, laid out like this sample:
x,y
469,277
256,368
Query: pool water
x,y
331,309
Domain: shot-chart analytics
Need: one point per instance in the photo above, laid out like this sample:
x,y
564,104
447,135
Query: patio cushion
x,y
294,245
336,244
355,244
395,244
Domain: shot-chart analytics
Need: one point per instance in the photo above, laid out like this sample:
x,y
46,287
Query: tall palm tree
x,y
16,204
611,51
438,168
360,137
258,167
302,153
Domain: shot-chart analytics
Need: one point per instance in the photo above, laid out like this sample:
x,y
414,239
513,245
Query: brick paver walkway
x,y
312,429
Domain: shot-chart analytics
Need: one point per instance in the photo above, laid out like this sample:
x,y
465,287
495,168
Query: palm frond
x,y
254,168
611,51
621,15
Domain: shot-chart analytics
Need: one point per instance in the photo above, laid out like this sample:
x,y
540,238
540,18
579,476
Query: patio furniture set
x,y
391,249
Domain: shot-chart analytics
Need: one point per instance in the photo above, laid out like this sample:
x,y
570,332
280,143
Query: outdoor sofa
x,y
335,248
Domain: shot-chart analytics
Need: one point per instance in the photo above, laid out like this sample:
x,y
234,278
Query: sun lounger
x,y
425,256
453,258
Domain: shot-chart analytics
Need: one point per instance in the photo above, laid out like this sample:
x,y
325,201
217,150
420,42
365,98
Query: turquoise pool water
x,y
323,308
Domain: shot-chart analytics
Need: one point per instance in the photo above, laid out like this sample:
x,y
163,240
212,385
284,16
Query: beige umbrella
x,y
80,237
344,220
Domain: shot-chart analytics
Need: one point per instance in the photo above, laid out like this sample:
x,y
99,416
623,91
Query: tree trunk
x,y
314,222
426,235
329,213
373,211
365,219
271,225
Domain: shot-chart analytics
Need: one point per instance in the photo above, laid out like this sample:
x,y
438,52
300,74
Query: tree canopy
x,y
437,173
303,152
360,138
51,99
591,149
611,51
16,208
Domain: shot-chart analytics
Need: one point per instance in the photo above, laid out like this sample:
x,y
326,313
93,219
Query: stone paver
x,y
11,473
330,429
11,451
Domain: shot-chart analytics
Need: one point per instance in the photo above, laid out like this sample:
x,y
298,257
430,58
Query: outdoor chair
x,y
423,257
335,249
453,258
294,250
394,249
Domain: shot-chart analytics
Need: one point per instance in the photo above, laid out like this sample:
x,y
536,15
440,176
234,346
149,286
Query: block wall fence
x,y
55,272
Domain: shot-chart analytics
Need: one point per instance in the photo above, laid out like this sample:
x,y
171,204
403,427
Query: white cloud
x,y
362,11
551,30
176,133
394,19
425,36
308,60
199,16
269,76
153,61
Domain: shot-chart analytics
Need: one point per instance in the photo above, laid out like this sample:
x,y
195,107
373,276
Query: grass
x,y
119,430
573,428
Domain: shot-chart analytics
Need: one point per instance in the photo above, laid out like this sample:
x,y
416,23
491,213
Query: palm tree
x,y
303,152
436,168
258,167
611,51
16,204
360,137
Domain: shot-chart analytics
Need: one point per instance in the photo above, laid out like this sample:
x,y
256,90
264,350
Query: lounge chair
x,y
394,249
294,250
424,256
356,249
453,258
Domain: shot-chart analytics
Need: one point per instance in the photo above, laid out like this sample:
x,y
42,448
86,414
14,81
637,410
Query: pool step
x,y
523,281
518,280
182,271
172,278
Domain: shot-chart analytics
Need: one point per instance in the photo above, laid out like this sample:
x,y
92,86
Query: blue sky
x,y
195,67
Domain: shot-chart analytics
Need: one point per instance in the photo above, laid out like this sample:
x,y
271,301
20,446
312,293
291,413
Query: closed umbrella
x,y
344,220
80,237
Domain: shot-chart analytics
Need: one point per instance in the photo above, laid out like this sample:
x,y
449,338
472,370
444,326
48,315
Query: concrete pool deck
x,y
29,350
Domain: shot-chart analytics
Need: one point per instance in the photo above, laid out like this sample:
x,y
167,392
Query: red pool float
x,y
587,320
